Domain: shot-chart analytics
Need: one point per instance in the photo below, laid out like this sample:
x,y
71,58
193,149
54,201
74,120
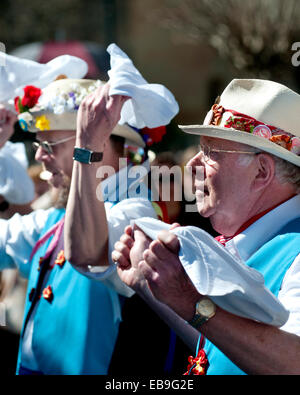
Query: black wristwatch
x,y
87,156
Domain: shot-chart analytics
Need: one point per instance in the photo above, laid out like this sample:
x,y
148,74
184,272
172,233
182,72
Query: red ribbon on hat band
x,y
245,123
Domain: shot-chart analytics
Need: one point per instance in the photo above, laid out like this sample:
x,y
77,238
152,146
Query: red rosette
x,y
48,294
60,259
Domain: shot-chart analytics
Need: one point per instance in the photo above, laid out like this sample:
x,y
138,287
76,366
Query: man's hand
x,y
128,253
166,276
97,116
7,121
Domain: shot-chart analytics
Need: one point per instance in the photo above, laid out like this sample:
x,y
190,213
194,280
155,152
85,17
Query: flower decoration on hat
x,y
29,100
42,123
59,102
218,111
41,109
219,116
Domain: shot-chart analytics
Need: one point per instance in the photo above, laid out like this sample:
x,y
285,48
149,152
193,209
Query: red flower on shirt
x,y
48,294
60,259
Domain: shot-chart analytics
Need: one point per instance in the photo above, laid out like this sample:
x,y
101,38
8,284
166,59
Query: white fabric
x,y
217,273
16,73
15,184
151,105
18,236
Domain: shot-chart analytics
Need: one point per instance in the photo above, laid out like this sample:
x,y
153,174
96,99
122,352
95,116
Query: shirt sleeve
x,y
18,236
118,217
289,296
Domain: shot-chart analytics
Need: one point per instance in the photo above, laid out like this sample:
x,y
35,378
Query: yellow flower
x,y
42,123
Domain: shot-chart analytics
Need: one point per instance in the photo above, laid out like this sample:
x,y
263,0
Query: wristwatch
x,y
87,156
205,309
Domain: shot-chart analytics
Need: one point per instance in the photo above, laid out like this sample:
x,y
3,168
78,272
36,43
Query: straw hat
x,y
55,108
259,113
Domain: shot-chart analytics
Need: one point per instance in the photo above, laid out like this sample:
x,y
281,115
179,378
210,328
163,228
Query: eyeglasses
x,y
208,151
48,146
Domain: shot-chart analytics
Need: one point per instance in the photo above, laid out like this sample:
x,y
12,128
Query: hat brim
x,y
244,138
67,121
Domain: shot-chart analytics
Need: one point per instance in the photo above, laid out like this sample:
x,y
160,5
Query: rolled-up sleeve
x,y
18,236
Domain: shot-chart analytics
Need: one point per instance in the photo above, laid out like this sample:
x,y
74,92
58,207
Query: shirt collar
x,y
260,232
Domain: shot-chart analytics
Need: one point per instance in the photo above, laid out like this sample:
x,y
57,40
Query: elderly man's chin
x,y
61,183
55,181
202,203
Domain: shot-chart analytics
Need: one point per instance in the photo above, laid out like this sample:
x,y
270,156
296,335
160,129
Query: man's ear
x,y
265,171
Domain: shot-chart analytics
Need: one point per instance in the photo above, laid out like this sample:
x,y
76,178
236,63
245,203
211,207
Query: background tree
x,y
254,37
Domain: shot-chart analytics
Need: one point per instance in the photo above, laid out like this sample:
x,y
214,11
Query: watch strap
x,y
84,155
198,320
96,156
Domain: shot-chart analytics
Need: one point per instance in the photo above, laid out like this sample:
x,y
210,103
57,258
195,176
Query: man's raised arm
x,y
86,233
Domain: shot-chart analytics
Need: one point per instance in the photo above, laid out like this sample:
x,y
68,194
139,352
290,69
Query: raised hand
x,y
128,253
97,116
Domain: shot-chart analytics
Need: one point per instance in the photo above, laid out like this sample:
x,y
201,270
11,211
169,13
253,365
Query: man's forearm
x,y
254,347
86,235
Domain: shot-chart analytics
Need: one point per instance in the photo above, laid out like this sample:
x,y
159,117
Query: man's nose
x,y
197,160
41,154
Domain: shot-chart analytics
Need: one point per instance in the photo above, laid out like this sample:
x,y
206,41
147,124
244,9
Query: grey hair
x,y
287,172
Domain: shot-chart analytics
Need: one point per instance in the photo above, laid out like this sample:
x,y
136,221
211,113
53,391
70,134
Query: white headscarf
x,y
16,73
215,272
15,184
151,105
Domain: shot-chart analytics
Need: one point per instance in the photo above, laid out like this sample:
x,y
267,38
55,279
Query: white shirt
x,y
260,232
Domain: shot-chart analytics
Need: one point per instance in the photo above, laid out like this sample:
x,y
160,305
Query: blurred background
x,y
194,47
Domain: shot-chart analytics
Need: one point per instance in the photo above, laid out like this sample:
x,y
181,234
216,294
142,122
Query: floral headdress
x,y
55,108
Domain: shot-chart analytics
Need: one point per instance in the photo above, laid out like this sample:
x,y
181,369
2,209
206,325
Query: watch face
x,y
205,307
82,155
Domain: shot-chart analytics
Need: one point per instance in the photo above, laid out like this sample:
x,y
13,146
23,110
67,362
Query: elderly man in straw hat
x,y
250,157
70,322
